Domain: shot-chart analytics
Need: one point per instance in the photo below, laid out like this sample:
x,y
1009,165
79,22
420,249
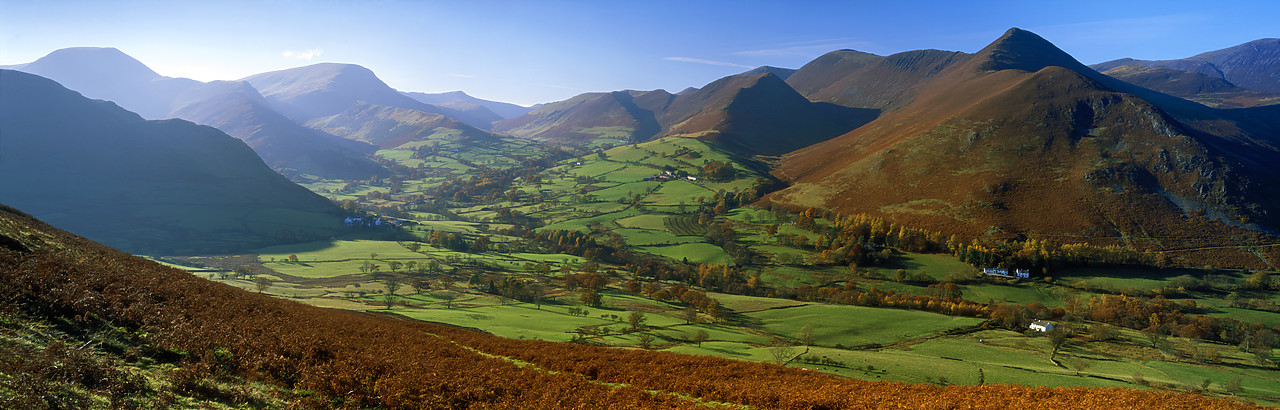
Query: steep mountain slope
x,y
854,79
782,73
321,90
207,335
455,99
233,107
752,113
626,115
237,109
755,114
1254,65
389,127
109,74
144,186
1207,90
826,69
1020,139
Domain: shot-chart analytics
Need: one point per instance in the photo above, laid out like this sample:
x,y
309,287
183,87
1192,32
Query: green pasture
x,y
646,237
1020,294
1121,278
694,252
580,224
516,321
858,325
644,221
678,191
339,250
741,304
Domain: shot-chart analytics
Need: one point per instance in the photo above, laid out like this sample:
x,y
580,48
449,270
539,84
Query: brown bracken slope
x,y
347,359
1020,139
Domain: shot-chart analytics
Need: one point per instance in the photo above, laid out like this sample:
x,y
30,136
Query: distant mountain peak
x,y
109,60
1250,65
782,73
1019,49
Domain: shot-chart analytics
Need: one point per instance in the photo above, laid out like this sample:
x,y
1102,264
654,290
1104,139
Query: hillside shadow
x,y
850,117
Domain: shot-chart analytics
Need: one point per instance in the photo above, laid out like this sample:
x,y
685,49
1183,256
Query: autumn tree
x,y
701,336
646,340
448,298
591,297
782,351
261,283
636,319
690,315
1058,336
805,335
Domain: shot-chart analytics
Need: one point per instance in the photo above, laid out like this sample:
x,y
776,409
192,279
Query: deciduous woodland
x,y
142,312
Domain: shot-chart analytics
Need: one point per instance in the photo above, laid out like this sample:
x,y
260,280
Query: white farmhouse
x,y
1041,326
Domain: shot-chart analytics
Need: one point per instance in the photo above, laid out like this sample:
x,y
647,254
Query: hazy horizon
x,y
528,53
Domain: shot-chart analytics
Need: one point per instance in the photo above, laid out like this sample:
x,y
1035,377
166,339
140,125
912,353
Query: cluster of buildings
x,y
1004,273
376,222
669,175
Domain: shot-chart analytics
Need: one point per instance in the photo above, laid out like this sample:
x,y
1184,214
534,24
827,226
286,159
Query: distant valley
x,y
976,225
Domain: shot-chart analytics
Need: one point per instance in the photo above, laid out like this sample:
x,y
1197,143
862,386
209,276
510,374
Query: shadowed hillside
x,y
460,100
1250,65
144,186
621,114
237,109
321,90
756,114
856,79
753,113
389,127
233,107
109,74
1019,139
206,342
1204,89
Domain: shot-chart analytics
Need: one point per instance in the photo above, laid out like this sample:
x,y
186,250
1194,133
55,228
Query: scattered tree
x,y
690,315
701,336
782,351
636,320
1058,336
261,283
646,340
448,298
805,335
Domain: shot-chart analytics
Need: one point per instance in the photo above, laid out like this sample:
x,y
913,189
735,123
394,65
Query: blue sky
x,y
528,52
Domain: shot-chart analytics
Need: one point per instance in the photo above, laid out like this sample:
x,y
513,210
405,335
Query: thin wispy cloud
x,y
461,75
307,54
705,61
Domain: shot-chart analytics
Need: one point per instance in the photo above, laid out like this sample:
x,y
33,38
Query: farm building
x,y
1002,272
1041,326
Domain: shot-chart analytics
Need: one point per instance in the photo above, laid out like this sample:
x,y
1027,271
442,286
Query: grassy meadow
x,y
629,197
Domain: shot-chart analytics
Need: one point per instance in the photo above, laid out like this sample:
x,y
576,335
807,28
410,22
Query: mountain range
x,y
459,100
1171,154
155,187
1020,139
754,112
1250,65
269,111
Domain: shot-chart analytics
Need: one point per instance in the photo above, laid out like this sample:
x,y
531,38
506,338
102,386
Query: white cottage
x,y
1041,326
